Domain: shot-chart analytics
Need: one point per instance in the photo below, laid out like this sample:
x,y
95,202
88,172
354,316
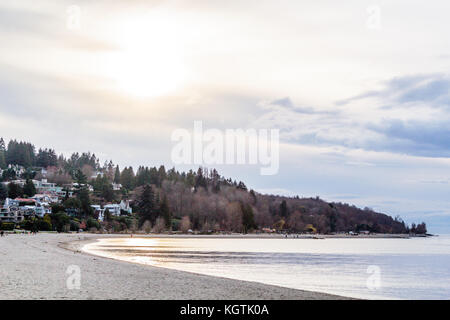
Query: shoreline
x,y
244,236
262,236
38,267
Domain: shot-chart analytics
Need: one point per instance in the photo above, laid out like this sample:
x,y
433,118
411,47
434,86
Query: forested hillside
x,y
201,200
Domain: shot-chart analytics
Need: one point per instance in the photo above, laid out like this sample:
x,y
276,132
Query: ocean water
x,y
416,268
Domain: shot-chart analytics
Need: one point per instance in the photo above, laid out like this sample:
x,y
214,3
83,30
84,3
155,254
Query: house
x,y
10,203
96,174
116,186
98,211
19,170
44,186
11,214
31,207
75,186
125,206
53,191
113,208
27,207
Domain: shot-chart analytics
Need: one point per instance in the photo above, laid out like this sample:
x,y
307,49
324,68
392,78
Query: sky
x,y
359,90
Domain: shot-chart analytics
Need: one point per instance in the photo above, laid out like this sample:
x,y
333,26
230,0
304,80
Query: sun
x,y
149,58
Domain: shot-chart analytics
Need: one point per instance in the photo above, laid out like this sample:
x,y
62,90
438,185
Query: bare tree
x,y
185,224
147,226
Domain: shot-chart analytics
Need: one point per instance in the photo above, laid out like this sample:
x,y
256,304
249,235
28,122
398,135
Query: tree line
x,y
201,200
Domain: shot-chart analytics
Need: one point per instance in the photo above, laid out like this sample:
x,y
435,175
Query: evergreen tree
x,y
9,174
154,177
248,220
29,189
46,158
107,215
21,153
80,177
85,201
146,205
253,195
127,178
165,212
421,228
2,160
108,192
200,180
2,154
242,186
143,176
59,221
14,190
117,175
190,178
283,209
161,175
3,192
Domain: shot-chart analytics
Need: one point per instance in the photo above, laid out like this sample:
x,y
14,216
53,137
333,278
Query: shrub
x,y
60,220
7,226
43,225
116,226
176,224
74,225
185,224
92,223
26,224
147,226
160,225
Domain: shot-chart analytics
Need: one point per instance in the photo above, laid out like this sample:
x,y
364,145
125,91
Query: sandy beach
x,y
35,266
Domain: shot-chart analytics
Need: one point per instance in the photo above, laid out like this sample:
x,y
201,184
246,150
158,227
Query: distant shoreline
x,y
246,236
266,236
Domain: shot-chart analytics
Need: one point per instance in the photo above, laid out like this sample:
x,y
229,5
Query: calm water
x,y
363,268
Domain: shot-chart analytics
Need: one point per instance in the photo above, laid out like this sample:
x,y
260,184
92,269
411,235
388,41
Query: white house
x,y
19,170
98,211
113,209
11,214
125,206
75,185
27,207
96,174
116,186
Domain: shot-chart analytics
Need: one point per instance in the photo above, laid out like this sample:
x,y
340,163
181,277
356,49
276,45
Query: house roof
x,y
25,200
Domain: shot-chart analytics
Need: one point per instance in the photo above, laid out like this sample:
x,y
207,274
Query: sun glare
x,y
149,62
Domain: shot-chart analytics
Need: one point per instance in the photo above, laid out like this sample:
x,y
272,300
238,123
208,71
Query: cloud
x,y
408,116
430,139
313,126
432,90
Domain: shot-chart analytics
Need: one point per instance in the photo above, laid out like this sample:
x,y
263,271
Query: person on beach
x,y
2,233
